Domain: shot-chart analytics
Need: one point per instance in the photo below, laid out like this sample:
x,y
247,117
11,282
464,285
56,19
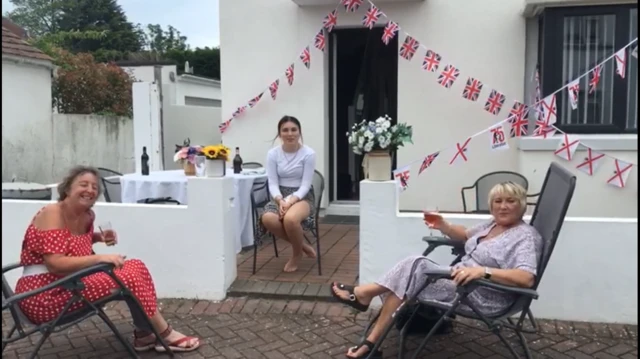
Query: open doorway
x,y
363,84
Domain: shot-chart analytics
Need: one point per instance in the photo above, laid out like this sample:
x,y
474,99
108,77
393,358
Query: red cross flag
x,y
461,152
498,138
591,163
401,175
621,62
549,110
567,147
574,90
621,173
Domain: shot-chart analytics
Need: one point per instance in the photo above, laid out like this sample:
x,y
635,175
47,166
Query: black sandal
x,y
370,345
352,301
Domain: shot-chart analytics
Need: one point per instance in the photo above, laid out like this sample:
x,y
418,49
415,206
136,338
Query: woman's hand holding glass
x,y
109,236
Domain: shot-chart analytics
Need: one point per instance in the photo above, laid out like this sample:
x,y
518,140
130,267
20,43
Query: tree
x,y
205,62
161,41
83,86
38,17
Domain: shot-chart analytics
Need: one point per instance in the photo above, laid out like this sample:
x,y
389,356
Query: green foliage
x,y
38,17
83,86
161,41
205,62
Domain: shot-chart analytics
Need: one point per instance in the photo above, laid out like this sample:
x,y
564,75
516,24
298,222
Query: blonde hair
x,y
510,189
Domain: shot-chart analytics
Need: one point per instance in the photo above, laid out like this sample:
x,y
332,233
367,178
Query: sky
x,y
198,20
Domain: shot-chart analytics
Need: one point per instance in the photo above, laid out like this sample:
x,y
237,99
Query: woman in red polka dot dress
x,y
58,242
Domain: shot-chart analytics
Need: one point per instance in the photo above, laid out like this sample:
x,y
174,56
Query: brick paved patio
x,y
252,328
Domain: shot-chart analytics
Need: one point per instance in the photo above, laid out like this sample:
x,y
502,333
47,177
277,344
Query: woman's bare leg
x,y
273,224
161,325
292,225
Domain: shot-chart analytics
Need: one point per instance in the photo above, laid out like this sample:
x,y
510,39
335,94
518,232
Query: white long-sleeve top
x,y
291,170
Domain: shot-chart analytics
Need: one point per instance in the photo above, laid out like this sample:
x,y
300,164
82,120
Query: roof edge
x,y
27,60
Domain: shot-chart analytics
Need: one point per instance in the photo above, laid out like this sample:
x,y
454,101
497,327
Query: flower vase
x,y
377,166
215,168
189,168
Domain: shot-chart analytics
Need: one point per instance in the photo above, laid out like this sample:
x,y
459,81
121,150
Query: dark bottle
x,y
237,162
145,162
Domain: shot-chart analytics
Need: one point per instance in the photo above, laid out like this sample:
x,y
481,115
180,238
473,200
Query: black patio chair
x,y
252,165
111,184
23,327
163,200
548,217
483,185
259,201
259,198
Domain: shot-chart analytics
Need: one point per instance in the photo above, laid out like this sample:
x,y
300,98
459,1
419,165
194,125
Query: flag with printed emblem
x,y
621,173
567,147
498,137
573,89
591,163
402,175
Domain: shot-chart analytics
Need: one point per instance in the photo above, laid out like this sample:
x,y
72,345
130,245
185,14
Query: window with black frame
x,y
573,41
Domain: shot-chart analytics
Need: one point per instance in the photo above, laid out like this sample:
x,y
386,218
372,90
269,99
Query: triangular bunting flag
x,y
289,73
498,138
223,127
591,163
352,5
330,21
567,147
426,163
305,57
574,91
254,101
621,62
402,175
634,53
320,40
461,152
594,78
621,173
273,88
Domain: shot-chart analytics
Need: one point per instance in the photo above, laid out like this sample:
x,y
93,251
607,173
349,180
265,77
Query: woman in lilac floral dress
x,y
505,250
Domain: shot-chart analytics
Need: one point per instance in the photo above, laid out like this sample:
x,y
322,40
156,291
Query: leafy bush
x,y
83,86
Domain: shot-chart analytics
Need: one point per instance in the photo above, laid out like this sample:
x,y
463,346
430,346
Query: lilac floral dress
x,y
519,247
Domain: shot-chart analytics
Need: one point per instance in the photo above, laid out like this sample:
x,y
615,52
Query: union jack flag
x,y
320,40
289,73
448,76
224,126
543,129
472,89
352,5
518,119
330,21
254,101
305,56
389,32
431,61
594,78
371,17
409,48
239,111
273,88
494,102
428,161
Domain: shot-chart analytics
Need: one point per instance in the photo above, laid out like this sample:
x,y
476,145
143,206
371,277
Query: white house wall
x,y
484,39
26,122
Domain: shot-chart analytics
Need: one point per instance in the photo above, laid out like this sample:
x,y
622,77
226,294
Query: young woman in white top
x,y
291,211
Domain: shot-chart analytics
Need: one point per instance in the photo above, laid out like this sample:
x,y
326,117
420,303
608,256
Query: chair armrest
x,y
502,287
10,267
101,267
443,241
438,273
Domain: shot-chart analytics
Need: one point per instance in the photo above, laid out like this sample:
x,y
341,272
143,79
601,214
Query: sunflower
x,y
210,152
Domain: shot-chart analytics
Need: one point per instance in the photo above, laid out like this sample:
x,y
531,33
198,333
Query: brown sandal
x,y
176,346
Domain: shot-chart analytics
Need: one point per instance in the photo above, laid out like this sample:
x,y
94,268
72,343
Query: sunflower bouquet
x,y
216,152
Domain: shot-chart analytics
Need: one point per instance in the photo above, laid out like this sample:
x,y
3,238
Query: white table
x,y
174,184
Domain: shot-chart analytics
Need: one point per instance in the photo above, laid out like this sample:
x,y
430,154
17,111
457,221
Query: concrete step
x,y
265,289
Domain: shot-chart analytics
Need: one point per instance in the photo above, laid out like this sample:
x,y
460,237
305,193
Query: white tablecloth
x,y
174,184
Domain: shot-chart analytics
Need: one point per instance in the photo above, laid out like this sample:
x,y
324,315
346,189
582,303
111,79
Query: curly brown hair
x,y
75,172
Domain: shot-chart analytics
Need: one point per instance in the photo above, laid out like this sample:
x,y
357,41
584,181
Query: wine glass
x,y
108,234
430,219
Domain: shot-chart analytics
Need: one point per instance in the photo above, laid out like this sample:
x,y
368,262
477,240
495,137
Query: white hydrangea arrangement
x,y
378,135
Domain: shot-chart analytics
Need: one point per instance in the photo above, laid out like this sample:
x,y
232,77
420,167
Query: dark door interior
x,y
363,84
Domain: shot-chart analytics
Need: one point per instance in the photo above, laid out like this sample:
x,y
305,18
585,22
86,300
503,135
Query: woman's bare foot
x,y
179,342
143,341
292,264
309,251
344,294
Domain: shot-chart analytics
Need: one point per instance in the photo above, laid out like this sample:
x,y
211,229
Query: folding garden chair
x,y
23,327
548,217
483,185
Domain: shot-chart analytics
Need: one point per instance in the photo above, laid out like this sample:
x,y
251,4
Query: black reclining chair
x,y
23,327
548,217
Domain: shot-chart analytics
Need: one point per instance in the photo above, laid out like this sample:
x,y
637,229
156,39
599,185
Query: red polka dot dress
x,y
48,305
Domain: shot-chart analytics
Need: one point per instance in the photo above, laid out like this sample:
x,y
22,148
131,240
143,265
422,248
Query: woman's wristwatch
x,y
487,273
